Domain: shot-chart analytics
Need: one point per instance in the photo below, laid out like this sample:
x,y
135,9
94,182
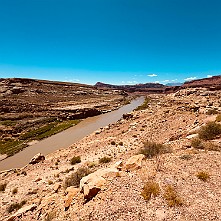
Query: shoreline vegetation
x,y
11,146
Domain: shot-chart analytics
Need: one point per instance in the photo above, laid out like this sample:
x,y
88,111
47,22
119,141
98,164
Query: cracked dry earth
x,y
169,119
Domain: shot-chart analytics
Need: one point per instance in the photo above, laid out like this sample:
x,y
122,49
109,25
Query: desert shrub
x,y
2,187
171,196
113,142
150,188
210,131
75,160
50,216
16,206
202,175
121,143
105,160
197,143
75,178
15,190
212,146
24,173
152,149
218,118
186,157
212,111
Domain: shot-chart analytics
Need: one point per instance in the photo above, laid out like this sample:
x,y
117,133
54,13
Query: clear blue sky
x,y
113,41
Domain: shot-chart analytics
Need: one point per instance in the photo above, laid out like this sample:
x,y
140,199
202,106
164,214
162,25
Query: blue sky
x,y
113,41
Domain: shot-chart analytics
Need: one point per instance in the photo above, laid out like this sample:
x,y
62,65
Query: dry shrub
x,y
75,160
218,118
202,175
75,178
172,197
152,149
212,112
16,206
2,187
150,188
105,160
210,131
15,190
197,143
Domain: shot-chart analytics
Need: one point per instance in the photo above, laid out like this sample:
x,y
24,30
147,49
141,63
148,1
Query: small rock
x,y
135,162
72,192
56,187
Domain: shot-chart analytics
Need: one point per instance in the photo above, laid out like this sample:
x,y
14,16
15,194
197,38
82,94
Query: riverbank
x,y
69,136
35,109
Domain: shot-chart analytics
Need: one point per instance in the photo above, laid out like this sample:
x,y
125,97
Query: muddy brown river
x,y
65,138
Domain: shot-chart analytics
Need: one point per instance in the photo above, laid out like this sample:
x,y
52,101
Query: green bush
x,y
75,160
152,149
210,131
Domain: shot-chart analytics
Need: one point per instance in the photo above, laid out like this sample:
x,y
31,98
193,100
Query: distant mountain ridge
x,y
147,87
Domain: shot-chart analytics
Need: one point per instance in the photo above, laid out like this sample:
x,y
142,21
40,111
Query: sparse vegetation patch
x,y
75,178
150,188
202,175
2,187
105,160
210,131
171,196
75,160
152,149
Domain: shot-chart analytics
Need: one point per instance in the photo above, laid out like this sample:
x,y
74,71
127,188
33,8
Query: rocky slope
x,y
114,190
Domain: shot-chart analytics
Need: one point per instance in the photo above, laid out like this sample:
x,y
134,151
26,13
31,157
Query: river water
x,y
67,137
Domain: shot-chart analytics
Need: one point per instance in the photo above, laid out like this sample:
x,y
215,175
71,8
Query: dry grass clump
x,y
171,196
202,175
150,188
75,160
186,157
212,112
75,178
152,149
16,206
218,118
197,143
2,187
105,160
210,131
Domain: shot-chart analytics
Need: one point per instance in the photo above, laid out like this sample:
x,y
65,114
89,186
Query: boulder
x,y
135,162
90,185
37,158
127,116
